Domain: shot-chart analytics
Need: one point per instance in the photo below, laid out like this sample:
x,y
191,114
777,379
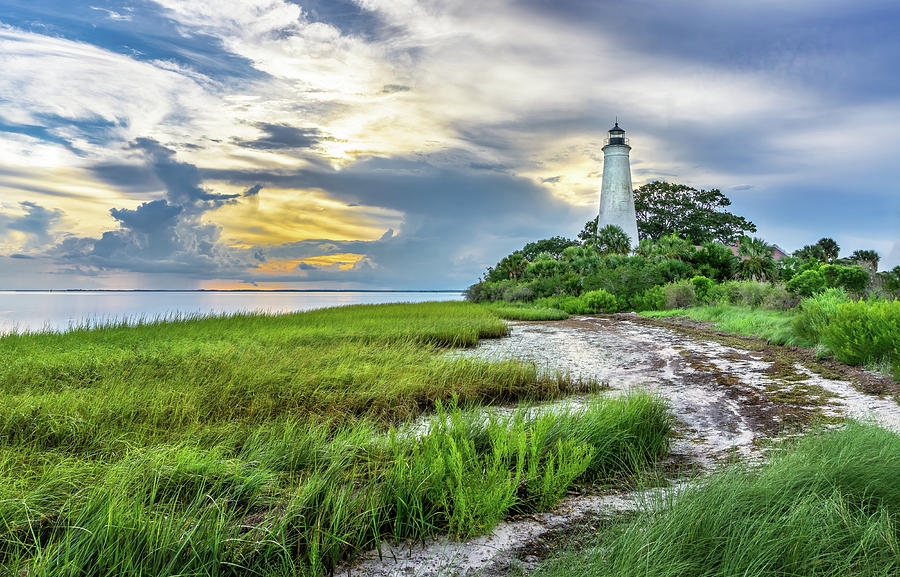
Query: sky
x,y
398,144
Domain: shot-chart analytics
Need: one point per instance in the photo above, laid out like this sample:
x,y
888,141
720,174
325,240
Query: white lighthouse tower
x,y
616,195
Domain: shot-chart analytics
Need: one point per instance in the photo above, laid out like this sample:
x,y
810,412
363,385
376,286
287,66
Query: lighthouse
x,y
616,195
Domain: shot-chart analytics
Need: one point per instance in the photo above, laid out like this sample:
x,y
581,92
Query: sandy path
x,y
726,401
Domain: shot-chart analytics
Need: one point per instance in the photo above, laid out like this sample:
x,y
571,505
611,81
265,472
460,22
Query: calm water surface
x,y
52,310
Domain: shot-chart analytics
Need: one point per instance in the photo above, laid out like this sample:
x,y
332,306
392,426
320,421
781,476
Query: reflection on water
x,y
51,310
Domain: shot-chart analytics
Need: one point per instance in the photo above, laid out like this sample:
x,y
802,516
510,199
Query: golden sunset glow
x,y
280,215
343,261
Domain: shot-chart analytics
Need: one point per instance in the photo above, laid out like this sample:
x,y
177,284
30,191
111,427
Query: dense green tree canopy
x,y
554,246
665,208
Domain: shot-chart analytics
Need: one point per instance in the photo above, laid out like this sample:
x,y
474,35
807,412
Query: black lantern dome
x,y
617,135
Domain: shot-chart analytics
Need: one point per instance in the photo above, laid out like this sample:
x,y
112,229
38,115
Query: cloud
x,y
284,136
165,235
182,180
468,128
113,15
35,225
148,217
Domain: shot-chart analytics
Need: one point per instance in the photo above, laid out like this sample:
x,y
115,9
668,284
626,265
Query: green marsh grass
x,y
774,326
282,445
526,312
827,506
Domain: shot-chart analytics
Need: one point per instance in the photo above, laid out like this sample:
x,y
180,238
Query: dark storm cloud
x,y
183,182
415,186
148,217
284,137
130,178
165,235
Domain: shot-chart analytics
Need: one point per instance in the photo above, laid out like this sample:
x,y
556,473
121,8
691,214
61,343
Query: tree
x,y
664,208
588,234
670,246
811,252
611,239
869,258
510,267
554,246
716,261
756,259
830,248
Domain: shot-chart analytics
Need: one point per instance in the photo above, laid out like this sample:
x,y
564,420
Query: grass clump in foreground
x,y
293,498
827,506
263,445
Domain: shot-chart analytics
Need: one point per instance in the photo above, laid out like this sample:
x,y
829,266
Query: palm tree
x,y
756,259
829,247
670,246
611,239
868,257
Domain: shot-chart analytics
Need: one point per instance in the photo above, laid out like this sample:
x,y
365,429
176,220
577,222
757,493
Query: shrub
x,y
545,287
485,291
702,285
624,277
600,301
862,331
852,278
891,280
544,268
716,261
652,299
753,293
780,299
817,311
807,283
573,305
518,292
673,270
726,293
679,295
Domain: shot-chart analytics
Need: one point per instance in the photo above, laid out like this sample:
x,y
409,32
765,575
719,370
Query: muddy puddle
x,y
729,404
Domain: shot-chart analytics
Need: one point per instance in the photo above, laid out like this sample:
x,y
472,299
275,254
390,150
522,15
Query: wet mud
x,y
731,398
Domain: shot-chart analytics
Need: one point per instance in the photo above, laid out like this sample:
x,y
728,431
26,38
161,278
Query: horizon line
x,y
236,290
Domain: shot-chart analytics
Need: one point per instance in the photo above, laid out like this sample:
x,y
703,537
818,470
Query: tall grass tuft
x,y
827,506
774,326
862,331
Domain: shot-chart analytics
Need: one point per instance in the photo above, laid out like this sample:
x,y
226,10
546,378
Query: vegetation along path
x,y
731,396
